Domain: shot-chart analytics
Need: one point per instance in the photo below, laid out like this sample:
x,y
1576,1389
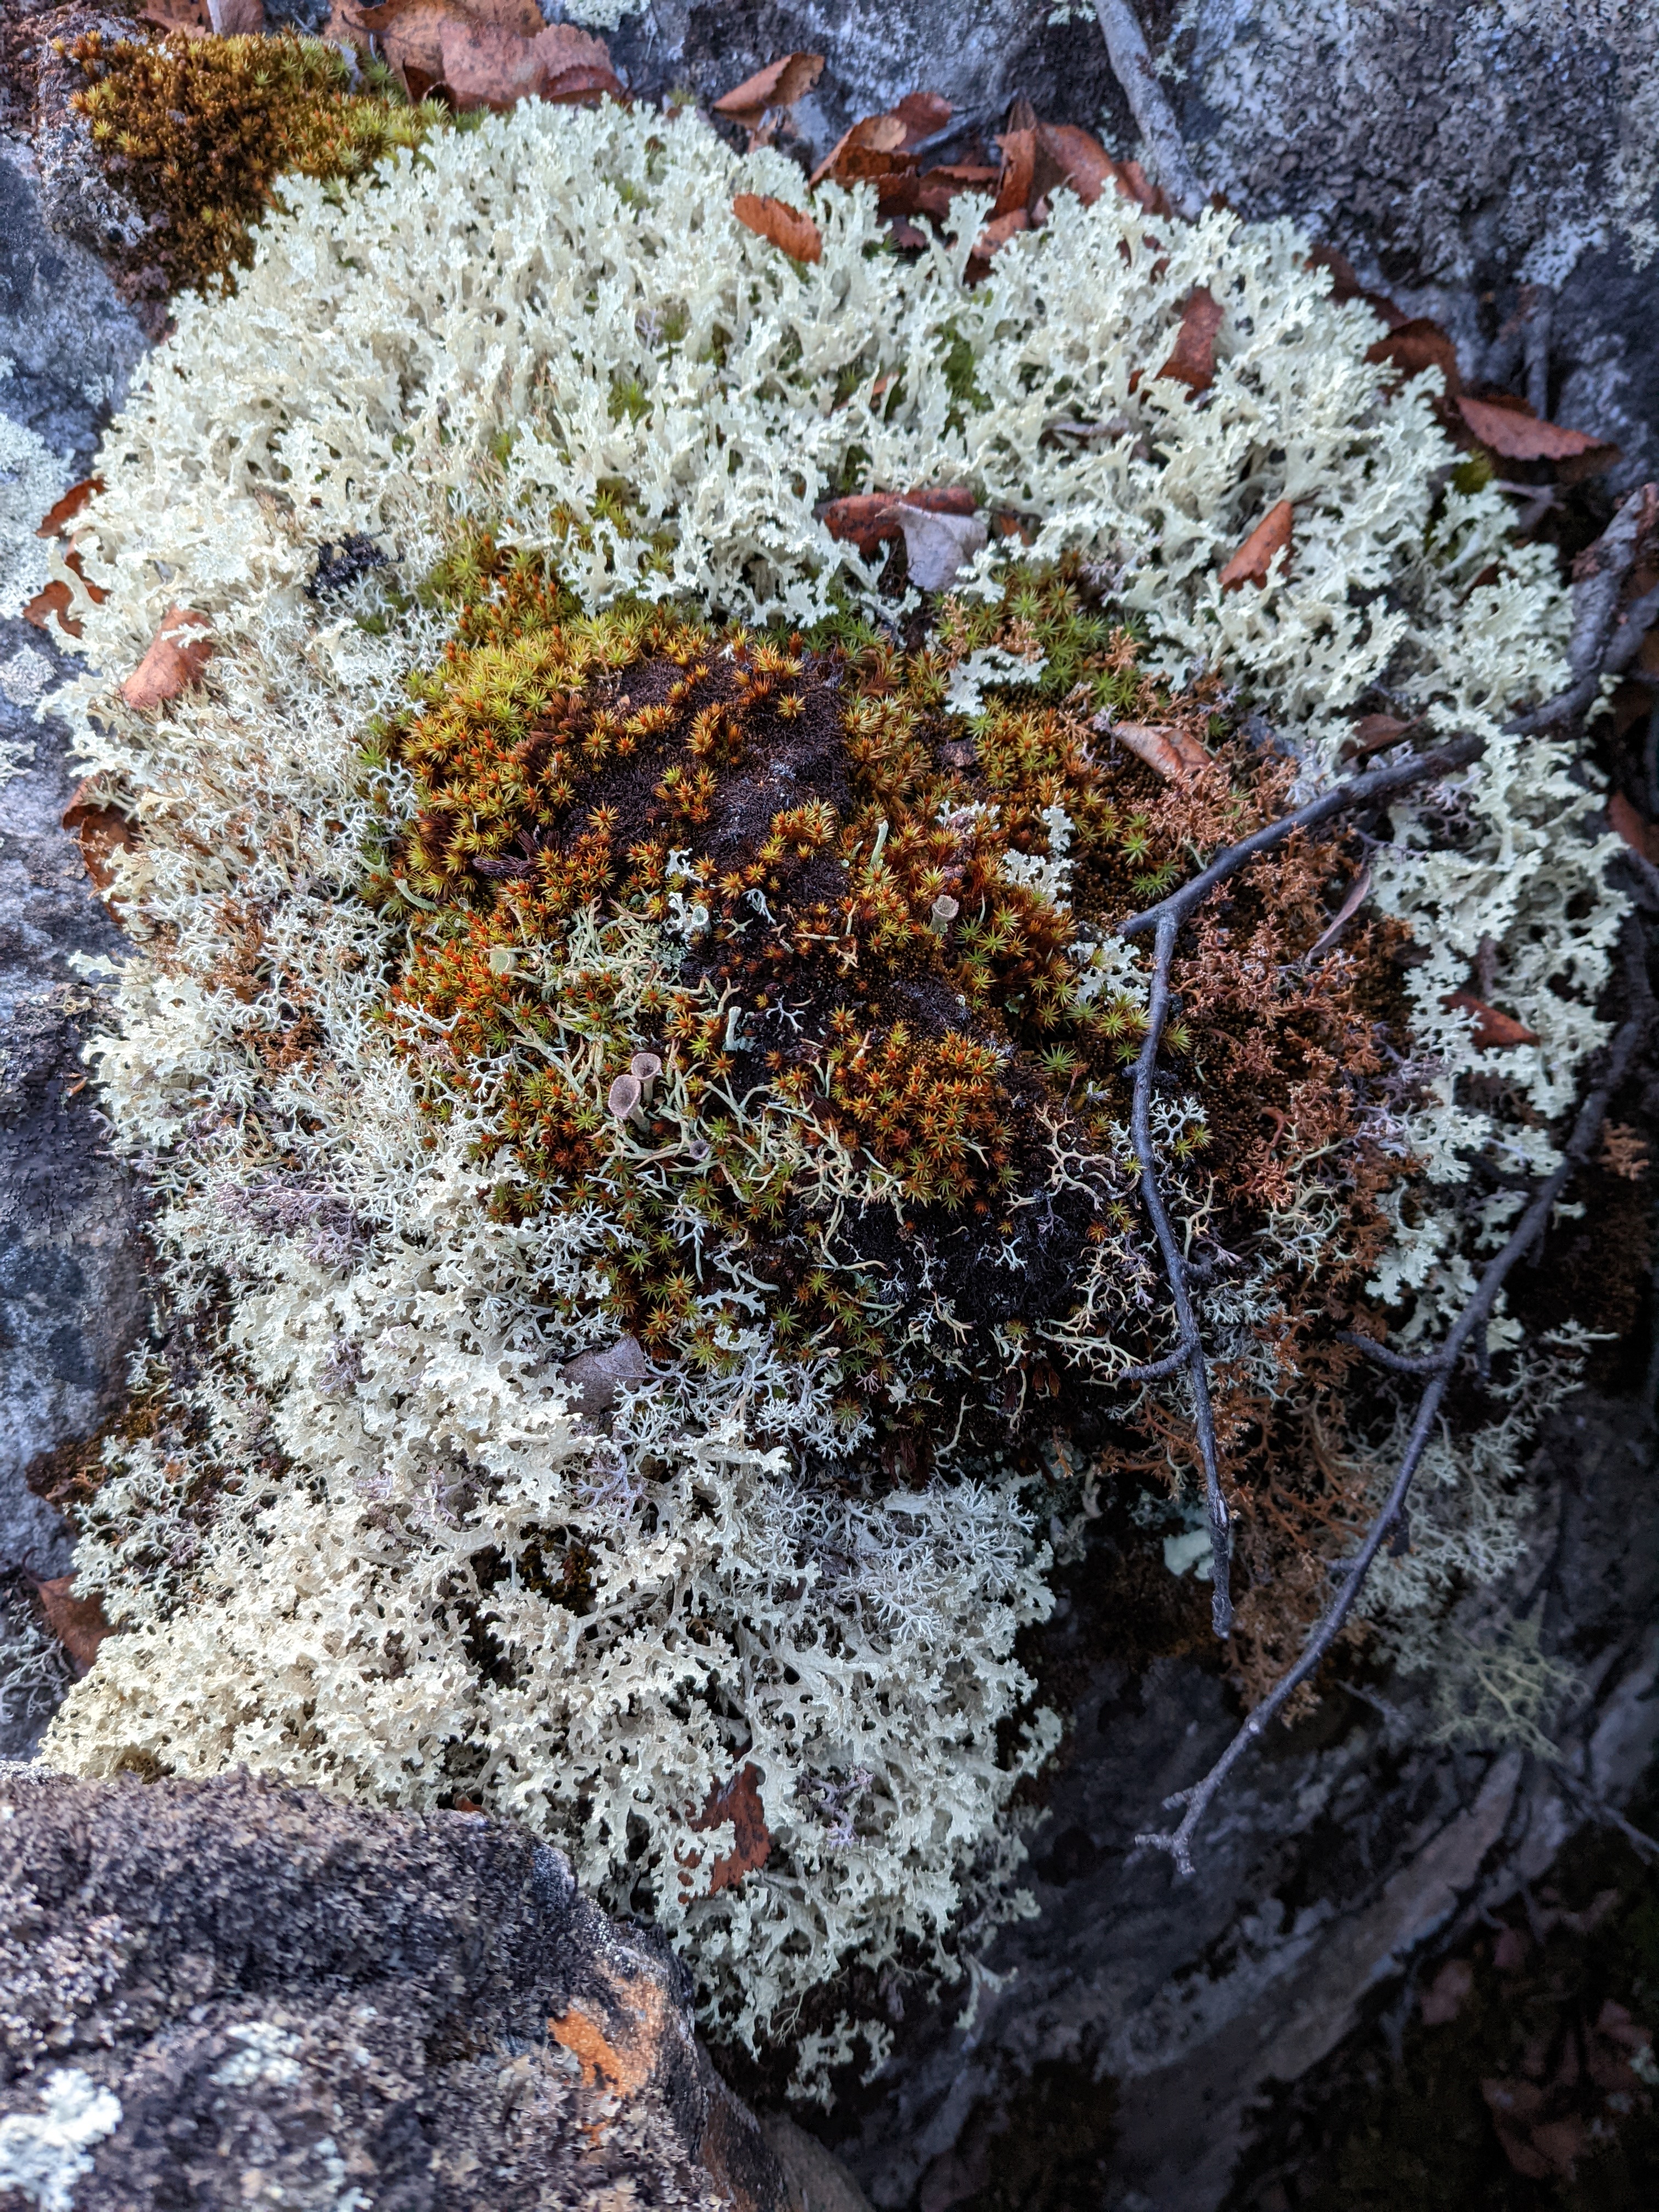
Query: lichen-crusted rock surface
x,y
231,1994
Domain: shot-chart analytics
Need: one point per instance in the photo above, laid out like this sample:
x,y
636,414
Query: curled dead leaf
x,y
1411,347
1521,437
924,115
868,149
1191,362
1638,832
779,84
178,654
1069,158
55,522
869,519
190,18
938,544
1165,747
1358,892
78,1623
1018,167
1271,535
797,235
1374,733
487,65
739,1801
1494,1032
99,831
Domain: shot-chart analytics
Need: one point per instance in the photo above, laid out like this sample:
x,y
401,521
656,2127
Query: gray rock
x,y
229,1993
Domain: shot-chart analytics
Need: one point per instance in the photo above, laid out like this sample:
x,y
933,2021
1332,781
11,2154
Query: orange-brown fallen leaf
x,y
1494,1032
1412,347
78,1623
1164,746
797,235
190,17
484,66
58,517
1373,733
99,831
1018,167
54,601
1069,157
1191,362
868,149
868,519
924,115
1521,437
1638,832
178,654
779,84
1271,535
739,1801
991,240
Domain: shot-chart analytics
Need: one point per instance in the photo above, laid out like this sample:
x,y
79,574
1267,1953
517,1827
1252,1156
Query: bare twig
x,y
1539,301
1599,577
1166,919
1468,1329
1132,65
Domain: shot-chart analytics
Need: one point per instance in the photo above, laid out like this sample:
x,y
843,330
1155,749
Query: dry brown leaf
x,y
924,115
1163,746
101,831
575,67
939,540
1494,1032
1374,733
1272,535
55,521
1358,892
866,150
237,19
1192,362
1638,832
1018,167
78,1623
1521,437
867,518
739,1801
191,17
1412,347
991,240
782,226
482,66
779,84
1069,157
177,656
931,192
53,602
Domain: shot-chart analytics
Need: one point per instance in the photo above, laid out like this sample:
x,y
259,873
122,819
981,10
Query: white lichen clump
x,y
555,325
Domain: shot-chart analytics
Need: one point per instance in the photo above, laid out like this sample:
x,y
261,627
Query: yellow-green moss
x,y
197,131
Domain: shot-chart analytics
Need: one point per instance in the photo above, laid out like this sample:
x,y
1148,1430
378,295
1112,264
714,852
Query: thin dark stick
x,y
1132,65
1401,1363
1471,1322
1174,1268
1167,917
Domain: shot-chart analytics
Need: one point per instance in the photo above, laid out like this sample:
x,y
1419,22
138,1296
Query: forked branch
x,y
1166,917
1469,1329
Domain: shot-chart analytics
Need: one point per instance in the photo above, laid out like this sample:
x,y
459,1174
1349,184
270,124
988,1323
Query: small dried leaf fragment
x,y
1191,362
924,115
937,545
1163,746
1494,1032
1521,437
1358,892
779,84
1271,535
1638,832
994,236
739,1801
178,654
237,19
55,600
867,149
1018,167
100,831
190,17
55,522
1413,346
487,65
869,519
78,1623
1068,157
797,235
1374,733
